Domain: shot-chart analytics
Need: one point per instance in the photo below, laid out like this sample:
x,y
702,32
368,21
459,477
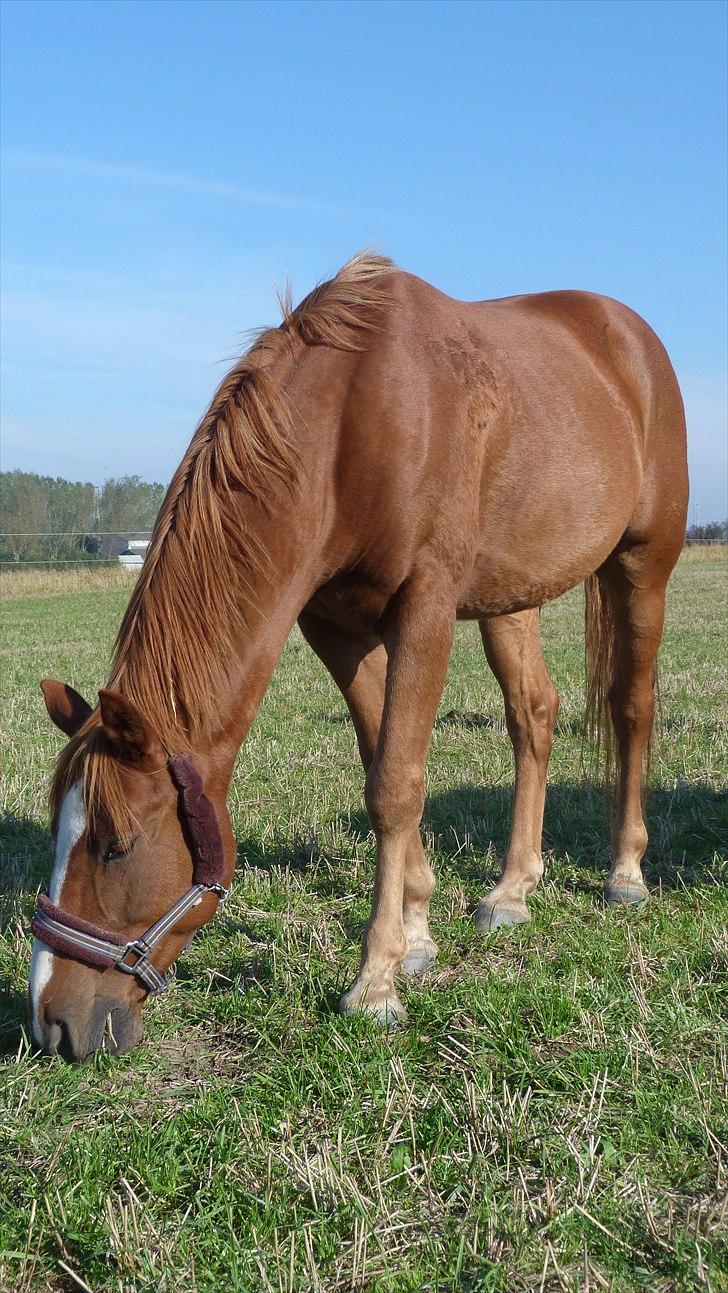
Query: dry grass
x,y
19,583
705,552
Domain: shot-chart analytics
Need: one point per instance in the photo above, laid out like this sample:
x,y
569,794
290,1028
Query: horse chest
x,y
353,602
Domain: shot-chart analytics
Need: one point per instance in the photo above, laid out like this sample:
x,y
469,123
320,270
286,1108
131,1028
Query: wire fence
x,y
24,549
74,534
94,562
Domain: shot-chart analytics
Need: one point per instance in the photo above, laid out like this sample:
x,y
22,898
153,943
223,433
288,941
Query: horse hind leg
x,y
513,648
629,592
359,669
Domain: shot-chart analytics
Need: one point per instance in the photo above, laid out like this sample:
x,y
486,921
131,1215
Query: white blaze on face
x,y
71,826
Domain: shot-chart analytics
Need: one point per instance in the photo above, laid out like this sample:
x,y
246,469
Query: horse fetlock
x,y
533,875
630,844
521,876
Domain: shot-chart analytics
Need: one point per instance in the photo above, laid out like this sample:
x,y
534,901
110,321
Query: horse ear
x,y
66,708
127,728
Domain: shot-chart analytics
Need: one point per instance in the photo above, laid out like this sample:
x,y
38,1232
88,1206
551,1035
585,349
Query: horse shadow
x,y
687,825
25,862
687,828
464,825
26,856
13,1016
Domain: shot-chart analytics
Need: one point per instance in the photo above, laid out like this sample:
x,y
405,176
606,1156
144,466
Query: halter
x,y
103,949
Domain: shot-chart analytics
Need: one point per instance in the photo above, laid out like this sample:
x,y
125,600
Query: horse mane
x,y
186,612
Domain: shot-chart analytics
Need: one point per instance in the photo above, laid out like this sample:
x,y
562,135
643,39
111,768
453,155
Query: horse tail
x,y
601,655
601,677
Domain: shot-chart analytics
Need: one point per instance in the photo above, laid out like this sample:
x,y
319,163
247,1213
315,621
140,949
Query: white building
x,y
132,558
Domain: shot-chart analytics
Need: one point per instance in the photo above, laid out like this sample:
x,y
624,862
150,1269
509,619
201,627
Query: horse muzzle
x,y
76,1030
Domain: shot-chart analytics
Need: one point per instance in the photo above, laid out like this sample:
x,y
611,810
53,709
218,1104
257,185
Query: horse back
x,y
514,440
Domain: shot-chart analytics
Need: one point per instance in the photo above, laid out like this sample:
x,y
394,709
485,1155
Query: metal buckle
x,y
142,967
139,949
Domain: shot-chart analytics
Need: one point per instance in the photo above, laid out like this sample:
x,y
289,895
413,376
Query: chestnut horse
x,y
387,461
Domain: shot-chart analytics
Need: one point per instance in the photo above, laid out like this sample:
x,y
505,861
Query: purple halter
x,y
103,949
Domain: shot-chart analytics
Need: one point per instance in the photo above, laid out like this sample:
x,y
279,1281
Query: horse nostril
x,y
53,1039
61,1041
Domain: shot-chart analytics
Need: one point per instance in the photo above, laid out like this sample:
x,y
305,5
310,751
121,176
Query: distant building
x,y
133,553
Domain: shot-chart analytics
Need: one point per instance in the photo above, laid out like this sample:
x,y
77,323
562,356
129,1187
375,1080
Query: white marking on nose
x,y
71,826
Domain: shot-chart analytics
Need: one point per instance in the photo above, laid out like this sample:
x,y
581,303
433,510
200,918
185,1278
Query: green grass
x,y
554,1117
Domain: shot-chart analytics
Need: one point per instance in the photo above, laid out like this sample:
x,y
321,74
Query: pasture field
x,y
555,1116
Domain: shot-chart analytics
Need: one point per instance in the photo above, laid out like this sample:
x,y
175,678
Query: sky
x,y
164,165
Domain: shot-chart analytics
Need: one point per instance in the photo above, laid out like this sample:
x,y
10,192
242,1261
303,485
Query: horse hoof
x,y
418,959
625,895
499,915
388,1012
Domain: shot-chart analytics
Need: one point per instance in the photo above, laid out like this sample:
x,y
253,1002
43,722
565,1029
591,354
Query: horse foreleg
x,y
418,638
513,648
358,666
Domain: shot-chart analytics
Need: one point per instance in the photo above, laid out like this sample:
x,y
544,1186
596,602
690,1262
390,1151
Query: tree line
x,y
49,519
46,518
715,532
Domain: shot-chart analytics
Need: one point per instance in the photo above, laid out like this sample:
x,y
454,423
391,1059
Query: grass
x,y
20,583
554,1117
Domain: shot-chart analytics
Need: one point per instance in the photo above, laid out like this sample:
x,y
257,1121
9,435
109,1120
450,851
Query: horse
x,y
386,461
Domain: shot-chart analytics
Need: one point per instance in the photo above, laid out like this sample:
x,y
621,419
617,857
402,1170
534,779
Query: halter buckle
x,y
140,950
142,967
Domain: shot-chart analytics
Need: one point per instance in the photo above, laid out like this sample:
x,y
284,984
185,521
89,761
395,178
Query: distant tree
x,y
129,504
23,514
70,506
714,532
43,518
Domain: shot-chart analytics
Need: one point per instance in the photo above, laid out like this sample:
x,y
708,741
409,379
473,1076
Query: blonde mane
x,y
186,611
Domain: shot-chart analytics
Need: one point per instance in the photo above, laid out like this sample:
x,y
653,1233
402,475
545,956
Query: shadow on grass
x,y
26,854
13,1016
25,863
688,827
463,718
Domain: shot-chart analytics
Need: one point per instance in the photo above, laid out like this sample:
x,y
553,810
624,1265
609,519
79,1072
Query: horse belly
x,y
502,582
540,536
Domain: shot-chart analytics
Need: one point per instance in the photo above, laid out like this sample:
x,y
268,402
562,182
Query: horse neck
x,y
212,721
274,596
249,672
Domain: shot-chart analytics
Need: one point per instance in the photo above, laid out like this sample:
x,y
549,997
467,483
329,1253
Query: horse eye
x,y
118,849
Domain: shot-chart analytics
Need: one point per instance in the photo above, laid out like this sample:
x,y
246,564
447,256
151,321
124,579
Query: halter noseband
x,y
101,949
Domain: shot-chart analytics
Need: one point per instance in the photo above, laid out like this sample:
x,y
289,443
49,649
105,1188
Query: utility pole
x,y
97,521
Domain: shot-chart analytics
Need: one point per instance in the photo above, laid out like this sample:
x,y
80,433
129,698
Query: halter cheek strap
x,y
200,818
103,949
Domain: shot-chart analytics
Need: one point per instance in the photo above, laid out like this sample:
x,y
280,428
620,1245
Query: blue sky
x,y
164,164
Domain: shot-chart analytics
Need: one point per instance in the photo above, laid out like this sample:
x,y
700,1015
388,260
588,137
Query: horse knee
x,y
531,722
632,708
394,798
